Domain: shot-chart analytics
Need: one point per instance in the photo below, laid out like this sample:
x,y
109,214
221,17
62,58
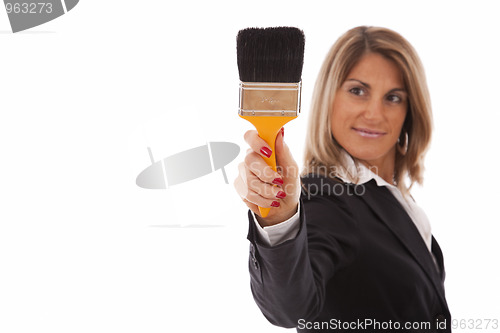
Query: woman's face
x,y
369,111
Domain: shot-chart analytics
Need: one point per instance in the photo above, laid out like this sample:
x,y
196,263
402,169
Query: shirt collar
x,y
359,171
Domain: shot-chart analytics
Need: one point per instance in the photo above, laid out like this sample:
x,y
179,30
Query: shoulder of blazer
x,y
318,184
317,187
330,214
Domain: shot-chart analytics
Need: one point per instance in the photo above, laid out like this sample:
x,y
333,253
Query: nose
x,y
374,109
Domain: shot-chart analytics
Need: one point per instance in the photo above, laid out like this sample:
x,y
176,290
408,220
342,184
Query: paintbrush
x,y
270,64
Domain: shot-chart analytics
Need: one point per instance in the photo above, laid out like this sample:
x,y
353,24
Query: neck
x,y
383,167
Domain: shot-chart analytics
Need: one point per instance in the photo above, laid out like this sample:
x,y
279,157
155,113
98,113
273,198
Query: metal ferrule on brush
x,y
272,99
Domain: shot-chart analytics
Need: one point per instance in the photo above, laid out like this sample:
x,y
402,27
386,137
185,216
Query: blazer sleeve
x,y
288,281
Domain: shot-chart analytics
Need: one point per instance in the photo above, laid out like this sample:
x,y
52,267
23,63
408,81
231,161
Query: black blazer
x,y
358,263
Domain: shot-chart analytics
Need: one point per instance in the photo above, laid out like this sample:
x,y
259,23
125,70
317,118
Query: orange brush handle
x,y
268,128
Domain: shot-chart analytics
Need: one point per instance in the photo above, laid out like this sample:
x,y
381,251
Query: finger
x,y
253,197
240,187
255,184
265,190
242,191
253,207
284,158
257,144
243,171
260,201
257,166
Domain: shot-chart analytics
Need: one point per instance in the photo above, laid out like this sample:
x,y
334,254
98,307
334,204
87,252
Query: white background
x,y
83,249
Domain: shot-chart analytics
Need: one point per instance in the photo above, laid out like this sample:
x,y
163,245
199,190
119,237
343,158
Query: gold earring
x,y
402,145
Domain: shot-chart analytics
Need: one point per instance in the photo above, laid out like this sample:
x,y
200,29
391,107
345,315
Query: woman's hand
x,y
258,185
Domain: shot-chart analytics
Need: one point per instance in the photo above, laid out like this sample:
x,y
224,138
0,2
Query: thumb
x,y
284,159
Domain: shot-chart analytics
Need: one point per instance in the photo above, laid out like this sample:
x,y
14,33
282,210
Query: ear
x,y
407,124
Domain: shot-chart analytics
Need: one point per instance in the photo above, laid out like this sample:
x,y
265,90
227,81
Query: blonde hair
x,y
323,154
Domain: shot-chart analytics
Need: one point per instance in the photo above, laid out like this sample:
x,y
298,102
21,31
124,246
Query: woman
x,y
353,251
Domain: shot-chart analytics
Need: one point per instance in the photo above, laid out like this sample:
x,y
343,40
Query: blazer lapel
x,y
436,250
394,216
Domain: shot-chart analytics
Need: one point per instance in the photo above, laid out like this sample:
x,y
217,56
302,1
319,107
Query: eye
x,y
394,99
357,91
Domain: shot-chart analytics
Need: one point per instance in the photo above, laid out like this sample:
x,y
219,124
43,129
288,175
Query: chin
x,y
367,153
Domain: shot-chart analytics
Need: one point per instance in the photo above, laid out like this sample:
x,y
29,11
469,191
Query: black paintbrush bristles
x,y
270,54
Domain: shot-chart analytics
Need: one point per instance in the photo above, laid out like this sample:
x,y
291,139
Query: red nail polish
x,y
281,195
266,151
278,181
275,204
283,132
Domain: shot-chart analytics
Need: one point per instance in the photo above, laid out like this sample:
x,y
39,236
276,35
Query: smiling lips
x,y
369,133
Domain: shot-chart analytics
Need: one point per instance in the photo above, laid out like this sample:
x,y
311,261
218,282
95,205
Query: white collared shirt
x,y
281,232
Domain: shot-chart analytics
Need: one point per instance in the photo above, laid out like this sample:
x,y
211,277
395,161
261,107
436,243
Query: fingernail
x,y
278,181
266,151
281,195
275,204
283,132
